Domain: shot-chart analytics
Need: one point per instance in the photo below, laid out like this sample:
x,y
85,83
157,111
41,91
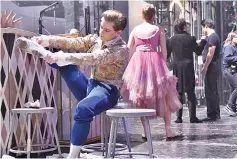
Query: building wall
x,y
122,6
215,10
135,13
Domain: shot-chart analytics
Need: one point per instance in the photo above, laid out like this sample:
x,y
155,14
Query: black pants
x,y
211,91
232,79
184,70
191,104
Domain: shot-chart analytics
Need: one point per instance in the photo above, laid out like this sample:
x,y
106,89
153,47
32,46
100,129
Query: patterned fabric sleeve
x,y
106,56
72,43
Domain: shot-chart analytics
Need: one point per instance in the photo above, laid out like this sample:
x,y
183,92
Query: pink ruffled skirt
x,y
149,84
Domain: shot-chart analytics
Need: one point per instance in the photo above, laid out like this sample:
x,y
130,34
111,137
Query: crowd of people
x,y
141,77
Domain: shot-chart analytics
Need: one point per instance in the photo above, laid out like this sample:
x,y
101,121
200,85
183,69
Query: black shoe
x,y
178,120
195,120
144,137
208,119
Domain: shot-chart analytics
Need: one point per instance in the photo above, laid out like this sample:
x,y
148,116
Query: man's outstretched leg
x,y
77,83
101,98
74,78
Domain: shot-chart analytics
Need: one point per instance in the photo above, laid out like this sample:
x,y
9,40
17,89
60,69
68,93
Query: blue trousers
x,y
94,96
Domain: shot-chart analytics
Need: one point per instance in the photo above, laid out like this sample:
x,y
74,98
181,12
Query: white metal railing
x,y
17,31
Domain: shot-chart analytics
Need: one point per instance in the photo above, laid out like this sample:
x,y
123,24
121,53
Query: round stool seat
x,y
115,114
130,112
32,110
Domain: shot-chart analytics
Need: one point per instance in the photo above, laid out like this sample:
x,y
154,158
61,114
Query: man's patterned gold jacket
x,y
108,61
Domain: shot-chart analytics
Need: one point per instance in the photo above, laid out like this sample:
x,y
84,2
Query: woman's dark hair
x,y
179,25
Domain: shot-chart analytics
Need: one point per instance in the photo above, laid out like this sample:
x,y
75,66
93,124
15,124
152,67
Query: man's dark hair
x,y
208,22
179,25
116,17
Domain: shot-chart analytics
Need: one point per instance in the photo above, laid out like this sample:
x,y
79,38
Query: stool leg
x,y
106,135
56,136
102,132
112,137
38,131
115,136
12,124
127,135
149,139
28,135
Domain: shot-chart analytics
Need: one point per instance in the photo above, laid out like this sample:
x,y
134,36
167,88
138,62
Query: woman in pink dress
x,y
147,81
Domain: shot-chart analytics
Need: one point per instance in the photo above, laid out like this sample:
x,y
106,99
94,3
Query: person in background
x,y
230,70
181,46
211,70
147,81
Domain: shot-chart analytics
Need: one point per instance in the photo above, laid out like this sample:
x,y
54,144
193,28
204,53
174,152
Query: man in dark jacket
x,y
182,45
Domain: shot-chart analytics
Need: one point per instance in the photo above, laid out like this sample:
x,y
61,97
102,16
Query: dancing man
x,y
108,58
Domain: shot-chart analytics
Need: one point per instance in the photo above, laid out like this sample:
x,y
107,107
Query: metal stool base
x,y
14,149
136,154
100,147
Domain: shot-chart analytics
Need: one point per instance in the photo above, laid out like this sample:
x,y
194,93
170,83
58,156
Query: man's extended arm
x,y
210,54
106,56
198,47
75,43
